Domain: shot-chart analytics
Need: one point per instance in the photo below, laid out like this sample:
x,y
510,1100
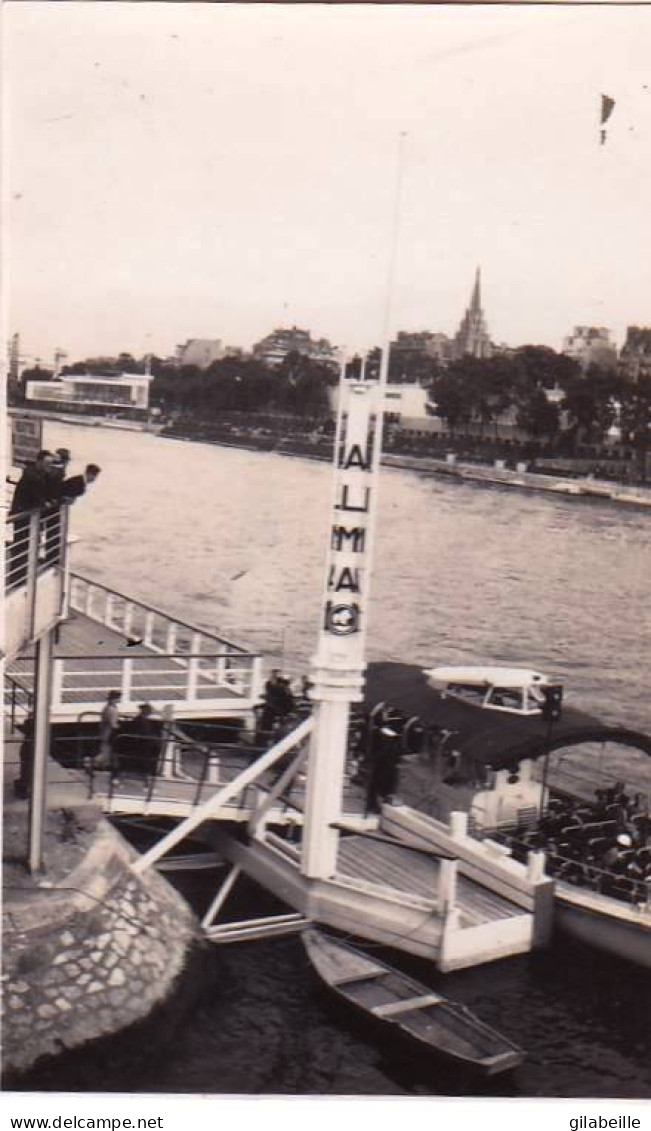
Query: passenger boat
x,y
482,762
408,1010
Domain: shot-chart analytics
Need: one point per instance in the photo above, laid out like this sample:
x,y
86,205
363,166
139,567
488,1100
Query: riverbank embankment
x,y
489,475
90,949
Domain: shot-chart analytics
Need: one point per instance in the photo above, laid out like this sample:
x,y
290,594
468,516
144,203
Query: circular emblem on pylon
x,y
343,620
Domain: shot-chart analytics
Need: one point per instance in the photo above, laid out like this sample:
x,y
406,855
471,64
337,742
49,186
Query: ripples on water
x,y
235,542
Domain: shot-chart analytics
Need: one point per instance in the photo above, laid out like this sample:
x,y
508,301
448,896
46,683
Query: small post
x,y
38,797
193,667
89,601
256,678
57,683
535,867
128,618
64,561
108,610
458,825
149,629
447,885
169,743
170,645
127,677
220,669
32,570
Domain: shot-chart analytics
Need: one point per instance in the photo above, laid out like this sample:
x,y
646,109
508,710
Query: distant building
x,y
101,391
472,336
410,346
591,345
200,352
400,402
273,349
635,356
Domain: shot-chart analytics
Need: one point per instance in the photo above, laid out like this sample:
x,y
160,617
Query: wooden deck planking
x,y
414,873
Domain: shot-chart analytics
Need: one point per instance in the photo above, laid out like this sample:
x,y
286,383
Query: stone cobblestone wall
x,y
89,955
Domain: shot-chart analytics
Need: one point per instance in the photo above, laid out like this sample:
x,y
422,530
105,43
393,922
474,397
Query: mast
x,y
338,666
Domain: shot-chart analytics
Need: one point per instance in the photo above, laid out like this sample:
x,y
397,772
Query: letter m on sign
x,y
345,539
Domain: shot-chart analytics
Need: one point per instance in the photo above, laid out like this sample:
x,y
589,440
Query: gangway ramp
x,y
110,641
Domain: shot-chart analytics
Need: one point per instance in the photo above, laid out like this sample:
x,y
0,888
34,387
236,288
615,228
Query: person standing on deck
x,y
139,743
109,721
34,488
23,783
76,485
278,703
385,751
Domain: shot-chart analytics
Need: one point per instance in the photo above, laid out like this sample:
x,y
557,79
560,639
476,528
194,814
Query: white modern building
x,y
102,391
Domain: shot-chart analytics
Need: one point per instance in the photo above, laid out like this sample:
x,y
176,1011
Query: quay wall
x,y
92,954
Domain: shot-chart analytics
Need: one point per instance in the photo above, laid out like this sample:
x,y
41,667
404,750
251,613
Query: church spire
x,y
475,302
472,336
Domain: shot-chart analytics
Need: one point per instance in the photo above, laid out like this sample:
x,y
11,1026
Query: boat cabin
x,y
515,691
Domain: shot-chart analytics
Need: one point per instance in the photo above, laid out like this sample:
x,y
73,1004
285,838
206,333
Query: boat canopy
x,y
498,739
511,690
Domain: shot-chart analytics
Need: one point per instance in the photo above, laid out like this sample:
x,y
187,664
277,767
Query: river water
x,y
234,541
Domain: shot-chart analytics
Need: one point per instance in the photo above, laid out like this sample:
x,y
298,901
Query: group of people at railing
x,y
44,487
604,845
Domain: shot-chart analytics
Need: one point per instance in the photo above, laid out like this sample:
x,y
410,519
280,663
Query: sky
x,y
181,170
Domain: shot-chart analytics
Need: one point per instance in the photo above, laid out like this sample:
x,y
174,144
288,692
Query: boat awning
x,y
485,737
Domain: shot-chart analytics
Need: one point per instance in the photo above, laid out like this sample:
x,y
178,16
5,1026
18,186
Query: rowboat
x,y
408,1010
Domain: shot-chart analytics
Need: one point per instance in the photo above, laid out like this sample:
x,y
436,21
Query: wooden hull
x,y
606,924
404,1009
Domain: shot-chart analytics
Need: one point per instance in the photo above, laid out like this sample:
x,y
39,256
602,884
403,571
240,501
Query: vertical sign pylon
x,y
338,666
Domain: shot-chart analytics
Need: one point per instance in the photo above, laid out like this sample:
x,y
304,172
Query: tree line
x,y
469,394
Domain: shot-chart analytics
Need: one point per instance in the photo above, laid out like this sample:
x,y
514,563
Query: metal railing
x,y
35,542
17,701
192,679
581,872
167,767
209,661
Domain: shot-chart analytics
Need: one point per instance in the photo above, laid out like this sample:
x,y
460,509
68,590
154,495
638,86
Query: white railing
x,y
161,679
35,575
35,542
188,664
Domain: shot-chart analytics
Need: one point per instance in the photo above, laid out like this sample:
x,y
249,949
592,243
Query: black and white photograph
x,y
327,569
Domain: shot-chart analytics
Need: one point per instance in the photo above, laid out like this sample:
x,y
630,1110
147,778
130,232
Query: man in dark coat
x,y
76,485
35,486
278,703
139,743
34,491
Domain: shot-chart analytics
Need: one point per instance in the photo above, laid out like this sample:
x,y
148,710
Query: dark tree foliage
x,y
590,402
635,419
299,387
36,374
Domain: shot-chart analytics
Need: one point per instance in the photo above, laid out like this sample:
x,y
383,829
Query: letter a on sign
x,y
355,458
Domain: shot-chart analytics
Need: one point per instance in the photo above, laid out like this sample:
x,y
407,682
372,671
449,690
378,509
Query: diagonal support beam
x,y
258,818
221,897
210,807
